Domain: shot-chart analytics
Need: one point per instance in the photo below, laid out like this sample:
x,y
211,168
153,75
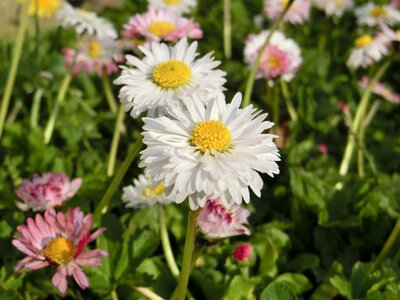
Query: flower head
x,y
59,240
162,25
281,57
381,90
43,8
334,7
177,6
144,193
94,55
298,12
367,50
214,150
85,22
166,75
216,221
46,191
371,14
387,33
242,252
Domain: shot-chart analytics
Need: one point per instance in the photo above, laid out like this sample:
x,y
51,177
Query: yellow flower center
x,y
94,49
172,2
161,28
339,3
363,41
59,250
285,2
44,8
149,192
378,11
273,62
171,74
208,135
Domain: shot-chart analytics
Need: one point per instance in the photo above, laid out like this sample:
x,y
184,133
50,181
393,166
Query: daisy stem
x,y
360,113
253,71
114,295
288,101
109,94
275,106
180,291
105,201
227,29
37,97
148,293
115,140
166,245
54,113
19,41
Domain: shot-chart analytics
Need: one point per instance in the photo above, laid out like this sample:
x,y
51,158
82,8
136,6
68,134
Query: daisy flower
x,y
59,240
46,191
162,25
367,51
177,6
43,8
281,57
94,55
209,150
144,193
166,75
389,34
371,14
334,7
381,90
298,13
215,221
85,22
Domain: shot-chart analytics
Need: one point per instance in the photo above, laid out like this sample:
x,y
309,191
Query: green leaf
x,y
298,282
241,288
342,285
278,291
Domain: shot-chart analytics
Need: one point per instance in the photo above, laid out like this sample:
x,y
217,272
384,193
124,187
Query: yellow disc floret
x,y
363,41
171,74
149,192
43,8
211,135
94,49
59,250
378,11
161,28
172,2
273,62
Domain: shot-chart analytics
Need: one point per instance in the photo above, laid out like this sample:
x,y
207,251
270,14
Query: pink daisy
x,y
161,25
59,240
381,90
47,191
216,221
298,13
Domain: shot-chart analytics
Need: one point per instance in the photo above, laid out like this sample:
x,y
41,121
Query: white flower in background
x,y
144,193
381,90
214,150
389,34
166,75
334,7
281,57
85,22
298,13
177,6
367,50
371,14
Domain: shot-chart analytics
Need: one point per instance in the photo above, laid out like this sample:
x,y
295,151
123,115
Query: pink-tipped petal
x,y
59,279
36,265
80,277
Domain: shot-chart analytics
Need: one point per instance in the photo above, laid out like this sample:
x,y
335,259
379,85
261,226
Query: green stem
x,y
275,107
115,140
19,41
288,101
180,291
54,113
253,71
166,245
37,98
114,295
102,207
109,94
148,293
360,113
227,29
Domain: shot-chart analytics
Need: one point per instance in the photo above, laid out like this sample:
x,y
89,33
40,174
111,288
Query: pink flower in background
x,y
323,148
216,221
47,191
395,3
381,90
59,240
162,25
242,252
343,106
298,13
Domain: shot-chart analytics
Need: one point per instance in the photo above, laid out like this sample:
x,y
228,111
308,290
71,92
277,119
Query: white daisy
x,y
214,150
367,51
166,75
371,14
144,193
177,6
85,22
334,7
